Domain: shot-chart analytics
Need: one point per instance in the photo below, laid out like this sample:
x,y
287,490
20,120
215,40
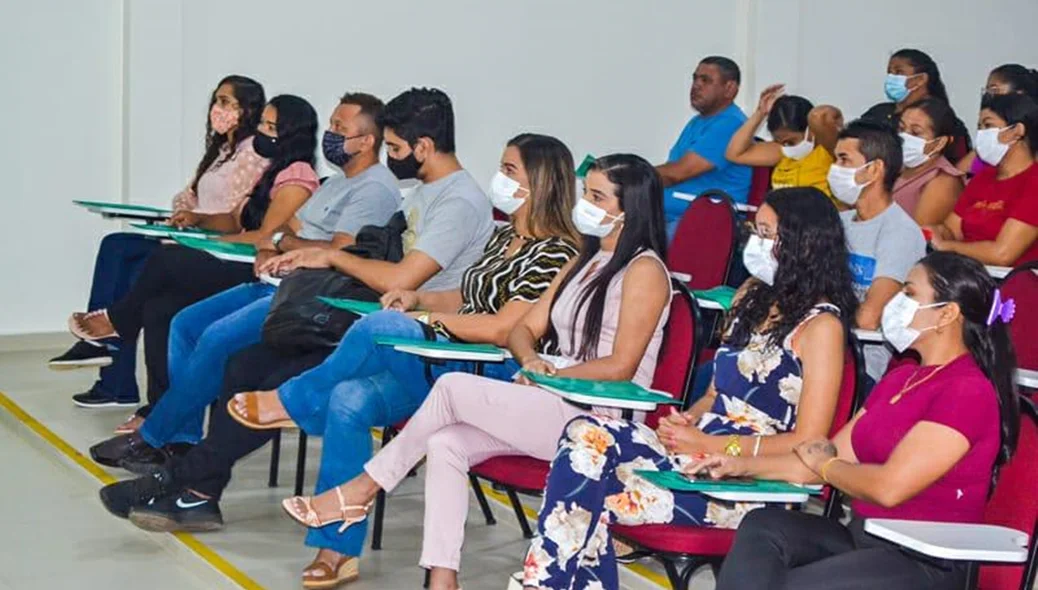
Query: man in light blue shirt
x,y
696,163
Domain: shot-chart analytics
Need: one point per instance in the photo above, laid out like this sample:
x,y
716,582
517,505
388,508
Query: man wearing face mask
x,y
884,242
697,161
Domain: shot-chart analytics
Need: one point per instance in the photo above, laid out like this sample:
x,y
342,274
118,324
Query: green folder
x,y
722,296
169,229
585,165
614,390
465,347
673,480
215,247
123,207
357,307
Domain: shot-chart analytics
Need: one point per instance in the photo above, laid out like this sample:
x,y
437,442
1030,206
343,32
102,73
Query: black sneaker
x,y
95,398
82,354
118,498
185,511
146,461
117,449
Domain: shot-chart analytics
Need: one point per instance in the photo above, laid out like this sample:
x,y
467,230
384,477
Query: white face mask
x,y
989,148
897,318
844,187
759,259
504,193
588,218
800,150
914,150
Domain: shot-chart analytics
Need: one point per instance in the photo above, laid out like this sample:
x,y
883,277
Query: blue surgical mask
x,y
896,87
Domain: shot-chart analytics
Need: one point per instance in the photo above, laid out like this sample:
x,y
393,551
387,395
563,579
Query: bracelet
x,y
756,445
733,448
825,467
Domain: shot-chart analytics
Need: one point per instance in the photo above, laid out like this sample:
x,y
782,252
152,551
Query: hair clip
x,y
1003,310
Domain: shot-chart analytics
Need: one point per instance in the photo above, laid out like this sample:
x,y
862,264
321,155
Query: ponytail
x,y
1019,79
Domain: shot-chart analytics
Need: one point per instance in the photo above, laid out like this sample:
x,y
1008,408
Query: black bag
x,y
298,323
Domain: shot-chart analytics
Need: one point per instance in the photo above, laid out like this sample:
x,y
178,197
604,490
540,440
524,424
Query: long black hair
x,y
924,64
942,118
297,141
1019,78
250,97
789,112
640,192
1016,108
963,280
812,267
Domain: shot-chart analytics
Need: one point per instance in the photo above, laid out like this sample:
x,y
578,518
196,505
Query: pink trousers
x,y
465,421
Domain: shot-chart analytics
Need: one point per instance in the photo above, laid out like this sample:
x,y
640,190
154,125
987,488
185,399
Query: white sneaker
x,y
515,582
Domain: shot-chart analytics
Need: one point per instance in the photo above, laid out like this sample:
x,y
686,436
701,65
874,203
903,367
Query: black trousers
x,y
173,278
207,467
780,549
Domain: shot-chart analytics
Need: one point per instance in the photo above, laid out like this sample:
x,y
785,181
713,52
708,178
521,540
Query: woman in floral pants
x,y
774,386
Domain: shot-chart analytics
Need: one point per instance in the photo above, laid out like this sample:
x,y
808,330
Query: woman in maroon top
x,y
996,218
924,447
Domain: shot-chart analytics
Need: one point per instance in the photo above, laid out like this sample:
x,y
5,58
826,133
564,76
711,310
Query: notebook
x,y
170,231
123,207
673,480
223,250
722,296
357,307
600,392
443,349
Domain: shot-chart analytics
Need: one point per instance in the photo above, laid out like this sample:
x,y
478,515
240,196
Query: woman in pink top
x,y
602,318
929,185
924,447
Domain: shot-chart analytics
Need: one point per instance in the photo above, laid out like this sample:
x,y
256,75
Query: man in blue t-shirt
x,y
696,162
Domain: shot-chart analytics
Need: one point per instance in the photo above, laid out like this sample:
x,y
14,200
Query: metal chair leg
x,y
275,459
379,516
301,464
481,498
517,506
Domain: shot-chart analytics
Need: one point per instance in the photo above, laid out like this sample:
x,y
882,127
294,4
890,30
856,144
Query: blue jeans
x,y
361,386
119,261
202,338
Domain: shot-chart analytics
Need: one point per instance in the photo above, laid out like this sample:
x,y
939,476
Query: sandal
x,y
345,571
250,418
311,519
78,331
132,424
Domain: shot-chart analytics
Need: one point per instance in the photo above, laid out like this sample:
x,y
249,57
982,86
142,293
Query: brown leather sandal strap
x,y
326,571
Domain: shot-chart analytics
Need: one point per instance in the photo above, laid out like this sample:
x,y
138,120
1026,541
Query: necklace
x,y
909,385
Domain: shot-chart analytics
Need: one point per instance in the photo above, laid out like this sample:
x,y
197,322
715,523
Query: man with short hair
x,y
883,240
696,162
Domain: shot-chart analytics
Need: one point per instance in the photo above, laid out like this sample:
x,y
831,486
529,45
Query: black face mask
x,y
334,147
404,168
266,146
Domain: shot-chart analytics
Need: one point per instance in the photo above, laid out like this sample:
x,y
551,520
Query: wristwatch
x,y
276,240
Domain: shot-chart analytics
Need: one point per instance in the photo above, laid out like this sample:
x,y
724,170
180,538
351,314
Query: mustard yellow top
x,y
810,171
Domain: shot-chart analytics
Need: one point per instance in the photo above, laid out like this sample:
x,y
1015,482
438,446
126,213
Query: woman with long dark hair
x,y
912,75
1005,79
602,318
776,383
175,277
929,185
926,446
226,174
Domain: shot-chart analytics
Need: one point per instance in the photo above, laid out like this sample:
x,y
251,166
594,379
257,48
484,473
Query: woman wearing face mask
x,y
602,317
912,76
175,277
776,383
928,185
925,446
803,139
227,172
996,218
1005,79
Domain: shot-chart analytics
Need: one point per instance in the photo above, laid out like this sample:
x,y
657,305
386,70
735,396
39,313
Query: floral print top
x,y
758,386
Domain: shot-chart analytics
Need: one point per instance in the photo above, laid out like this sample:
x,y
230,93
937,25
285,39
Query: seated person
x,y
227,173
363,385
1005,79
696,162
803,139
365,194
883,240
175,276
996,218
926,446
929,185
209,333
603,315
912,76
776,384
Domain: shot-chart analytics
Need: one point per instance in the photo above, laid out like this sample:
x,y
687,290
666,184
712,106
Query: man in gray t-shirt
x,y
345,204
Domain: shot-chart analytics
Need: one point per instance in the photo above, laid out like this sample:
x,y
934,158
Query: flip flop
x,y
79,332
250,418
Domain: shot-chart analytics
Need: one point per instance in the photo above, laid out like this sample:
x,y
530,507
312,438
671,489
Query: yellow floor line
x,y
636,568
190,541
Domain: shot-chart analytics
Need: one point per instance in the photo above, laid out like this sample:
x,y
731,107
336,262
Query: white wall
x,y
100,113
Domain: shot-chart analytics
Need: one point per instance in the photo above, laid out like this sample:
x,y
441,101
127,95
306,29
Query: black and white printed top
x,y
524,276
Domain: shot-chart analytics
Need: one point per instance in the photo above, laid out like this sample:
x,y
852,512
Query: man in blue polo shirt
x,y
696,162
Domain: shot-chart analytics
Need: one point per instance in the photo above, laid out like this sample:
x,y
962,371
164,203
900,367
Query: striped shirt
x,y
524,276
